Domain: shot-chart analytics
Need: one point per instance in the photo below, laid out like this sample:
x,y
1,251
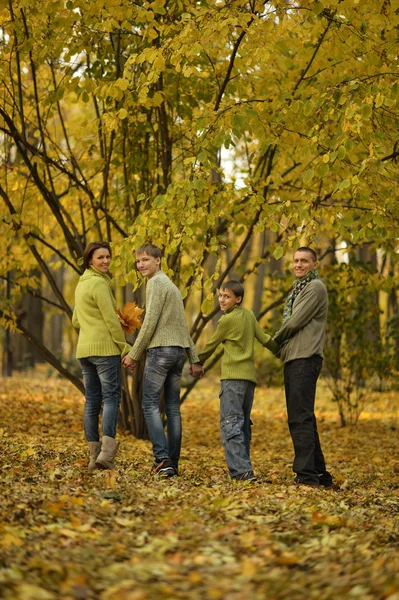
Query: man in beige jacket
x,y
301,340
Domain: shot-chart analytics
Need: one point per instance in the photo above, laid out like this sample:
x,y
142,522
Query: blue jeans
x,y
102,381
236,400
300,379
163,369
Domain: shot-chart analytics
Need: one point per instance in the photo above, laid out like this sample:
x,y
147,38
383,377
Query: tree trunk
x,y
131,415
7,348
260,277
30,313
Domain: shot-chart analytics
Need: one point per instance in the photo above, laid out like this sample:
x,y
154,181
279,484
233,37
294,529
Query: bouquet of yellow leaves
x,y
129,317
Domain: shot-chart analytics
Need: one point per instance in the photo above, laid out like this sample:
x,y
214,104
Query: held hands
x,y
129,363
196,370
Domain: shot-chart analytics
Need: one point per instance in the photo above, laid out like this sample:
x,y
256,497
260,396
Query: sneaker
x,y
164,468
247,476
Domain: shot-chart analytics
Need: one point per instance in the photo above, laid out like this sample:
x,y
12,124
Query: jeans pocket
x,y
230,427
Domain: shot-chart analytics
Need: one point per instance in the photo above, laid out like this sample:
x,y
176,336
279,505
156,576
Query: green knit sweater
x,y
237,330
165,321
101,333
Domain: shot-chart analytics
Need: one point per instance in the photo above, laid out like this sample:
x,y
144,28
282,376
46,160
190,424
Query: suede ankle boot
x,y
109,448
94,449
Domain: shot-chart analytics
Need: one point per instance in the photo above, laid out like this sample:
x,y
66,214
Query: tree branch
x,y
47,355
318,45
230,67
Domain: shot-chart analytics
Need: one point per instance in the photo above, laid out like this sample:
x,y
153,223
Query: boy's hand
x,y
196,370
129,363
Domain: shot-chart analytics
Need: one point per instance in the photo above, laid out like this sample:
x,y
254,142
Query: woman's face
x,y
100,259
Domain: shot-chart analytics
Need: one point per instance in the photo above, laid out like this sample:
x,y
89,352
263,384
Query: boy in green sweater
x,y
237,330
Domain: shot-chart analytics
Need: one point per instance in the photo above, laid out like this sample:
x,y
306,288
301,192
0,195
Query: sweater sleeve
x,y
192,353
218,337
75,322
155,299
265,339
305,307
103,299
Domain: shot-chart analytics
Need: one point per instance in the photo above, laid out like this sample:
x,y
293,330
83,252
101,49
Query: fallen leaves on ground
x,y
124,535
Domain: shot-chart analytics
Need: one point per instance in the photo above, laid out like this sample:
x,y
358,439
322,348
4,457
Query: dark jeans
x,y
163,369
236,399
300,378
102,381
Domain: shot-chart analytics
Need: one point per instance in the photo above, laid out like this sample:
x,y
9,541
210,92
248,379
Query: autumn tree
x,y
121,120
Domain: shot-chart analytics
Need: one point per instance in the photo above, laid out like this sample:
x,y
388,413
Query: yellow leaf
x,y
130,317
28,591
10,540
195,577
111,479
68,533
77,501
287,559
249,569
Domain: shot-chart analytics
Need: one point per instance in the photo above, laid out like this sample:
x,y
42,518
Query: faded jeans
x,y
236,400
163,369
300,378
102,381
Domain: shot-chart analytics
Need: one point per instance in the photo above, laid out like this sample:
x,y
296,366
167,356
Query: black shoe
x,y
299,482
164,468
247,476
326,480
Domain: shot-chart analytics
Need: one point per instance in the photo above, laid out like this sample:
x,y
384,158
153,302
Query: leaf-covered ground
x,y
125,536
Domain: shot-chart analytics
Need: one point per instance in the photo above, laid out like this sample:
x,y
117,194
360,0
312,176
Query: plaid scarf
x,y
299,284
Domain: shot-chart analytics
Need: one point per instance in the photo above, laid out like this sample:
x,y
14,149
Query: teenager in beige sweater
x,y
165,338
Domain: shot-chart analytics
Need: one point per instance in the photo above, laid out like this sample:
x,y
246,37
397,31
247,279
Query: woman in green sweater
x,y
100,347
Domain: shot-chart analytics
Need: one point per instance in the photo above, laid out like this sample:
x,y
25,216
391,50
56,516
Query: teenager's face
x,y
147,265
227,299
303,263
100,259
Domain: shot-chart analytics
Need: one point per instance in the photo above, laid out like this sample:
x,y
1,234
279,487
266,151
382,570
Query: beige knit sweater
x,y
165,321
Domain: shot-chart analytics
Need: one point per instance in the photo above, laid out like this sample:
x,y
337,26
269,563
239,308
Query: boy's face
x,y
147,265
227,299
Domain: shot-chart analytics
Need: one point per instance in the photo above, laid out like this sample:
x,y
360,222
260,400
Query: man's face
x,y
147,265
303,263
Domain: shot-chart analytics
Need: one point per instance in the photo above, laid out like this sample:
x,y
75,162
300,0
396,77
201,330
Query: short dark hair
x,y
91,248
306,249
235,286
150,249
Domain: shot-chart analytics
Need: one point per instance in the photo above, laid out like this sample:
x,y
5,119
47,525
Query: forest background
x,y
228,133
